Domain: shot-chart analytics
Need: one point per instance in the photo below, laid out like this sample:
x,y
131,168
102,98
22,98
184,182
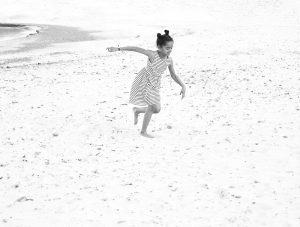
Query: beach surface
x,y
228,154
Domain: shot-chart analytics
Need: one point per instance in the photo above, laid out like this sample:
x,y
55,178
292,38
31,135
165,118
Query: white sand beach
x,y
228,154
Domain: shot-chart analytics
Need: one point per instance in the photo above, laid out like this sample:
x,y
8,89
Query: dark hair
x,y
163,39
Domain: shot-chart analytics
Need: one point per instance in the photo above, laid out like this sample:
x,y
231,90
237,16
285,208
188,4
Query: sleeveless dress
x,y
146,85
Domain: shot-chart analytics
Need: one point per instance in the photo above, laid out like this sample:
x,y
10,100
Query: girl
x,y
145,87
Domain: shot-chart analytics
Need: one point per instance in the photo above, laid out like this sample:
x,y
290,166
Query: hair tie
x,y
167,32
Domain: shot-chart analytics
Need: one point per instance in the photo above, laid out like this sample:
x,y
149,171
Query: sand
x,y
227,154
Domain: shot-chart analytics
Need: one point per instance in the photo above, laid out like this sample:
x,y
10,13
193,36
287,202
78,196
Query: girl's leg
x,y
147,118
137,111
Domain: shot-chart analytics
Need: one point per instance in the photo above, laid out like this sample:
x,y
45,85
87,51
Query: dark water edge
x,y
47,35
9,31
10,25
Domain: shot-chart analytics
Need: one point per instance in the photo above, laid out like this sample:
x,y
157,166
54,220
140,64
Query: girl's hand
x,y
182,92
112,49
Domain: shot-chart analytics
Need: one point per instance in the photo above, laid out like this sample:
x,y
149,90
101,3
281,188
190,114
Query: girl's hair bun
x,y
163,39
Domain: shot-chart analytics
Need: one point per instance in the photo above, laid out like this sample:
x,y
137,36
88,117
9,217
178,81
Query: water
x,y
12,31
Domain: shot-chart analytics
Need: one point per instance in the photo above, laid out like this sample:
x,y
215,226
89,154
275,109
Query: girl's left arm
x,y
176,78
173,74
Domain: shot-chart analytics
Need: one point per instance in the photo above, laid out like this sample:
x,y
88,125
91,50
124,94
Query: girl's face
x,y
167,48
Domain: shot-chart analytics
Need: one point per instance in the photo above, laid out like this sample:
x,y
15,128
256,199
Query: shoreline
x,y
39,36
17,31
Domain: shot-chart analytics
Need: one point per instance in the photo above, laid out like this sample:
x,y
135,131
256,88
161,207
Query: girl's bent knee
x,y
156,109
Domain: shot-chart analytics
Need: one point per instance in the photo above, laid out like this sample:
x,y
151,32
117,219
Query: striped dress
x,y
146,85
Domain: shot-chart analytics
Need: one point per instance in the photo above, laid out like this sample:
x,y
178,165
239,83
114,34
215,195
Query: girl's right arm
x,y
148,53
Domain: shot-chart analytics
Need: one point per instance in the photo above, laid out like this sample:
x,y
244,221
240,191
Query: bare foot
x,y
146,135
136,115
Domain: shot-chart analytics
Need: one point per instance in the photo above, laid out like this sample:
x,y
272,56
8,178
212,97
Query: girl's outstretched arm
x,y
148,53
176,78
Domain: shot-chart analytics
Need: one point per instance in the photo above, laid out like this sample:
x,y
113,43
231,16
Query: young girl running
x,y
145,87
